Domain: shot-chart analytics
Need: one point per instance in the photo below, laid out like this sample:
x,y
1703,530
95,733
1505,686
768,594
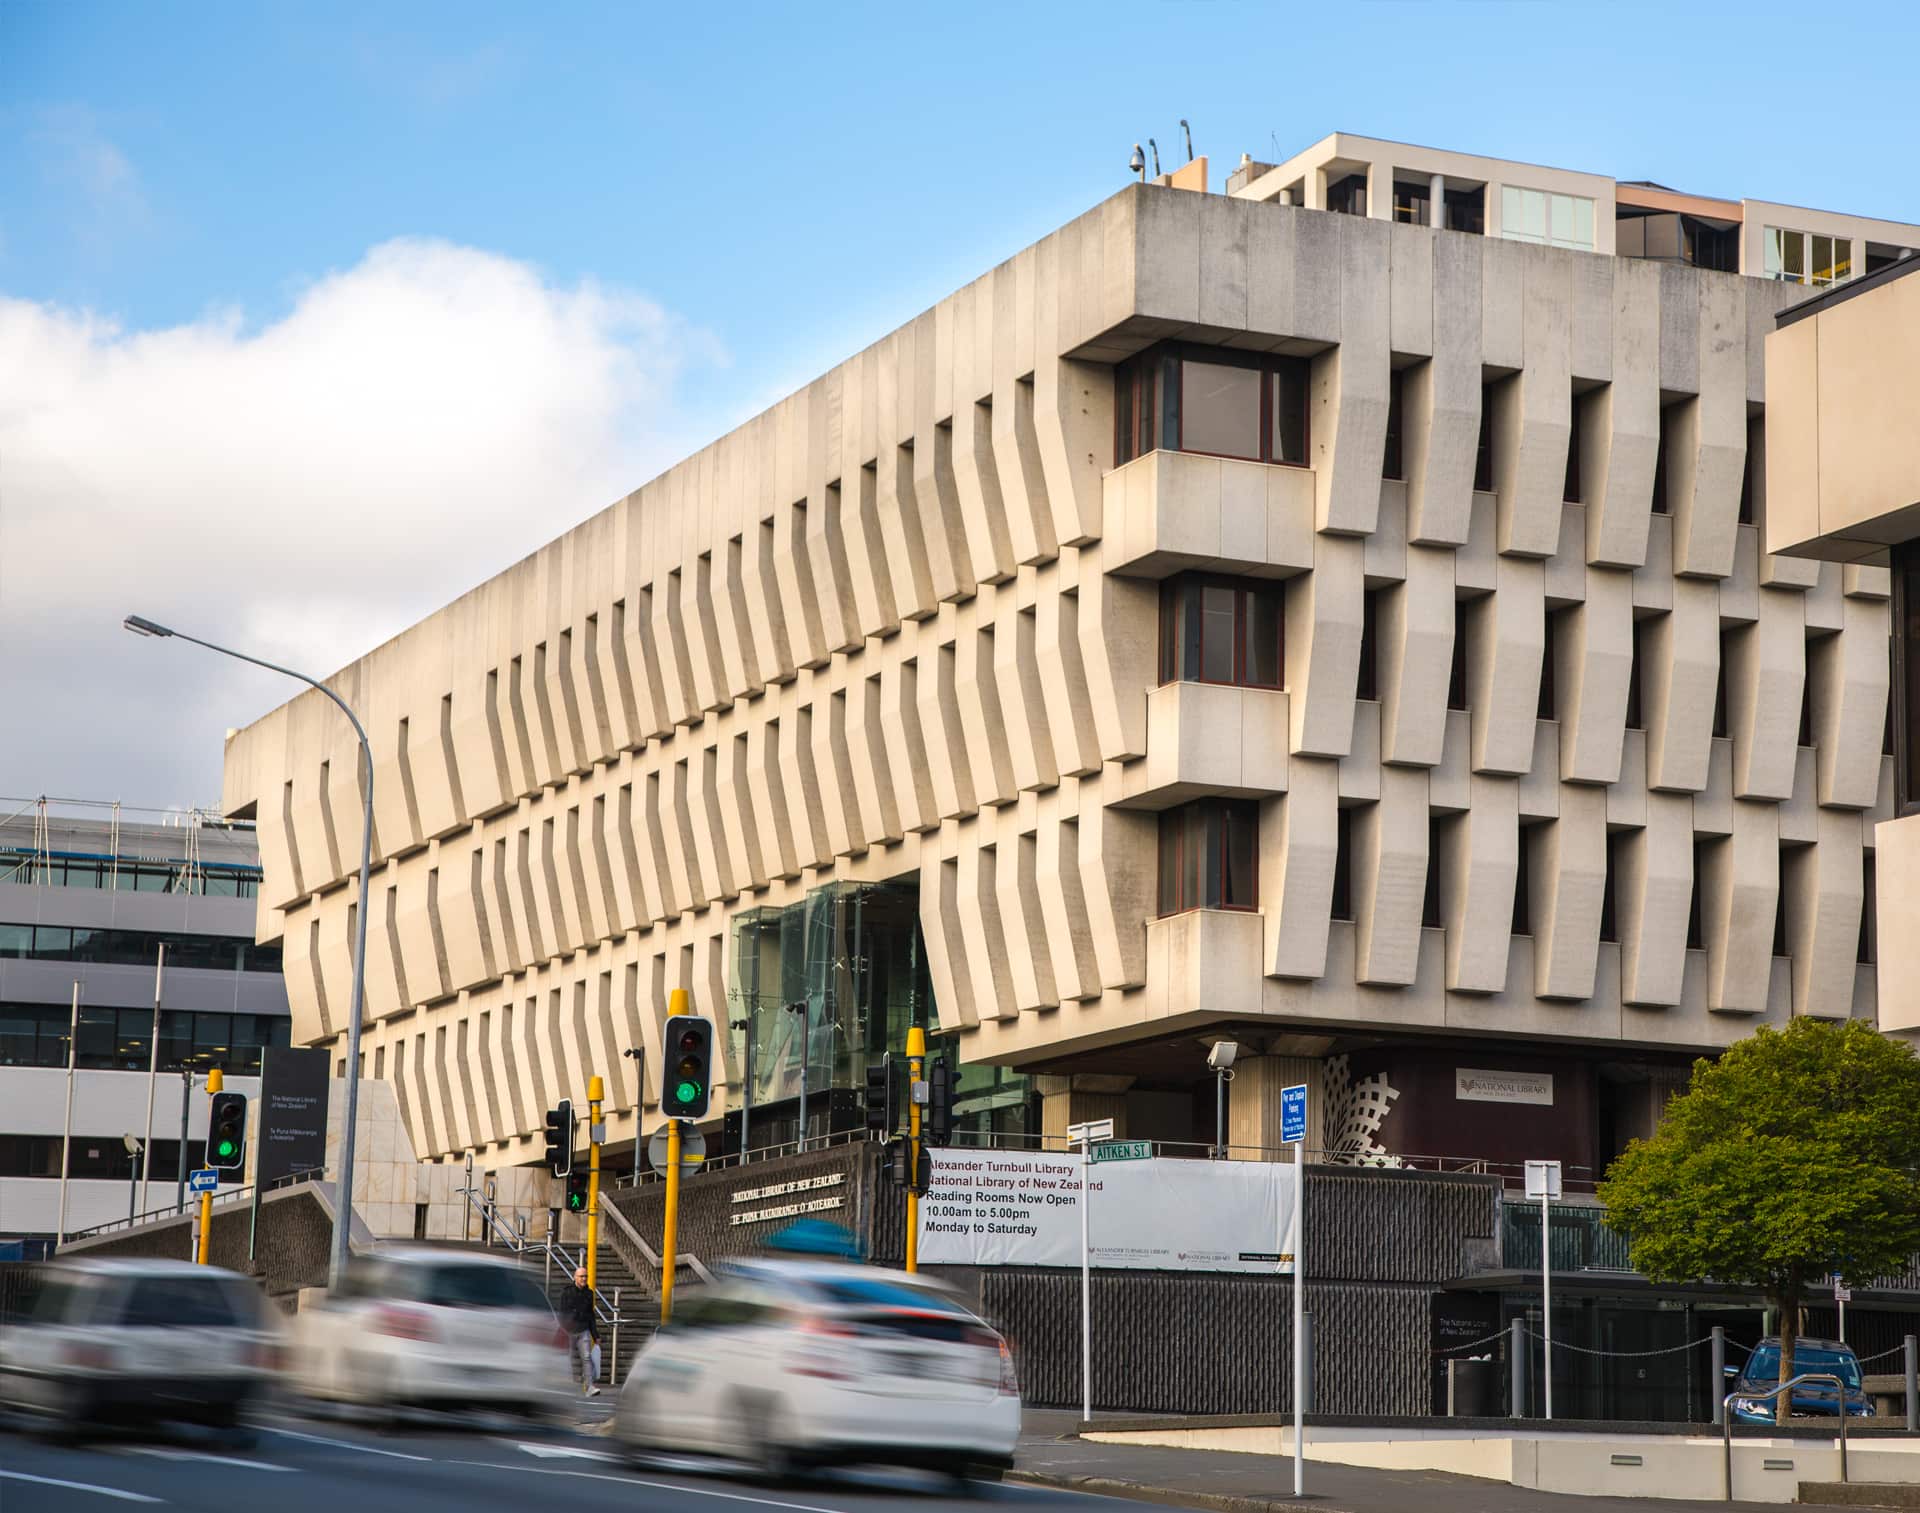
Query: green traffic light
x,y
687,1092
226,1147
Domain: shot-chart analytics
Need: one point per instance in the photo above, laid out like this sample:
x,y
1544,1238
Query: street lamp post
x,y
343,1195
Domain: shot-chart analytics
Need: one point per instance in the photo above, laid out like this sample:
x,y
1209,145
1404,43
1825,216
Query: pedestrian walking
x,y
582,1330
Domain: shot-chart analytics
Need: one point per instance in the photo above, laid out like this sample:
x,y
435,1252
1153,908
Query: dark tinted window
x,y
183,1303
1208,856
60,1302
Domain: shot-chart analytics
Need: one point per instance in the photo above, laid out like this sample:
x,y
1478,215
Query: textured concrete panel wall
x,y
905,624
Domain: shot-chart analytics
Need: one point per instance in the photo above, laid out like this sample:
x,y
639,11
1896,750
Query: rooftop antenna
x,y
1188,134
1156,156
1138,162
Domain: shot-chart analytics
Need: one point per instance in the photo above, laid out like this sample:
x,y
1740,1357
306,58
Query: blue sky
x,y
800,178
641,223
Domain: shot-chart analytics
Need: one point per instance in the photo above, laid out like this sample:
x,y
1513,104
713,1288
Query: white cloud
x,y
303,490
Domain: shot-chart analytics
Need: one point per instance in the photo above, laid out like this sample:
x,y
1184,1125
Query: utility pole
x,y
186,1100
596,1090
153,1069
916,1065
66,1136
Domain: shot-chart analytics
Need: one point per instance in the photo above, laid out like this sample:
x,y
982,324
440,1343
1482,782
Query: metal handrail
x,y
606,1311
174,1210
634,1238
1726,1417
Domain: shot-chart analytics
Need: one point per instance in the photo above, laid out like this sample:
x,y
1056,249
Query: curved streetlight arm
x,y
343,1197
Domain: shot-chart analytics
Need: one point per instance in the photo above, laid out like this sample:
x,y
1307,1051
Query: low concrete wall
x,y
1683,1466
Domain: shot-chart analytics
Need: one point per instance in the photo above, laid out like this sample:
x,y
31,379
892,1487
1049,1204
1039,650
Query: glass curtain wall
x,y
836,980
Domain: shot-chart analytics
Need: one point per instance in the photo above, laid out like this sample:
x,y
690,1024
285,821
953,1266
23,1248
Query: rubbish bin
x,y
1471,1385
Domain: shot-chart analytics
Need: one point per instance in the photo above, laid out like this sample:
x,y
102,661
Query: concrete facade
x,y
1843,378
907,623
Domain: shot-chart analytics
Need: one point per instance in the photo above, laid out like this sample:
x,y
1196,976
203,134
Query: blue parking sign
x,y
1293,1114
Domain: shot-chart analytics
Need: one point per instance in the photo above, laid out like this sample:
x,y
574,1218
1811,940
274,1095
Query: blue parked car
x,y
1810,1400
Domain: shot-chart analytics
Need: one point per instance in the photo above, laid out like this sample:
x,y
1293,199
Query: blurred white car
x,y
423,1327
118,1340
795,1364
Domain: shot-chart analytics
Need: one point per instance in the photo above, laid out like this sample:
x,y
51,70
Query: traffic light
x,y
939,1125
899,1171
880,1096
577,1192
227,1132
560,1138
687,1084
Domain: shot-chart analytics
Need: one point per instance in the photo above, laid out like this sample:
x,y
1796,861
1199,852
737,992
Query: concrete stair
x,y
1860,1494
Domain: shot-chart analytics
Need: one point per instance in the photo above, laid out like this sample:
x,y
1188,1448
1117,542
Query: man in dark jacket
x,y
582,1330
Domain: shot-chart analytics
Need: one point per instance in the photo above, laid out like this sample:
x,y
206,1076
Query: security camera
x,y
1138,162
1220,1058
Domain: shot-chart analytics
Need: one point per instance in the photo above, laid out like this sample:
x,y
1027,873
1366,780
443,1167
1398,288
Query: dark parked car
x,y
1811,1399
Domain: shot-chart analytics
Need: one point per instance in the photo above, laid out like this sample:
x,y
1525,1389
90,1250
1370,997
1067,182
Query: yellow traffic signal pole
x,y
213,1086
916,1063
596,1090
670,1227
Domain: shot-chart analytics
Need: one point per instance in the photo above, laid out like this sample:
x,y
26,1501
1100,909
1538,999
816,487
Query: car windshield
x,y
1765,1365
181,1303
477,1287
856,1291
56,1302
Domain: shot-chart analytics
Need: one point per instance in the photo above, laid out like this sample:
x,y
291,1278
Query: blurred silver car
x,y
423,1327
114,1340
795,1364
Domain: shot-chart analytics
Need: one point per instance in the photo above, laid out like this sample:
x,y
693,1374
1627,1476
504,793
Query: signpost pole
x,y
670,1227
916,1064
1299,1320
1543,1182
1546,1301
1086,1289
1083,1135
214,1083
1293,1131
596,1090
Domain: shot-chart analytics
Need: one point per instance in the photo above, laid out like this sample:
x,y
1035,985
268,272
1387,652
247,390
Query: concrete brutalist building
x,y
1327,617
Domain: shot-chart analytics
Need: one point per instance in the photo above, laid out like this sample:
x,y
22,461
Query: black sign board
x,y
291,1122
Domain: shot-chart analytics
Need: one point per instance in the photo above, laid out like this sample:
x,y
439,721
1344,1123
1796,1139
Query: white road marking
x,y
561,1452
346,1444
641,1481
165,1453
82,1486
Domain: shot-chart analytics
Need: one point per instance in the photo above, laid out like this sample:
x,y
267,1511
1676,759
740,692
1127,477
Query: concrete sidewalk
x,y
1225,1481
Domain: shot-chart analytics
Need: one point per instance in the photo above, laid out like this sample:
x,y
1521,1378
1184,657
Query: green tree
x,y
1794,1155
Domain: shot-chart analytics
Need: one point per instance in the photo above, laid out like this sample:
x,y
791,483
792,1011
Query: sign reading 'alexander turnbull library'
x,y
1022,1208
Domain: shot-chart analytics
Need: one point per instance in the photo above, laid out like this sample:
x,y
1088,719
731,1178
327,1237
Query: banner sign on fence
x,y
1022,1208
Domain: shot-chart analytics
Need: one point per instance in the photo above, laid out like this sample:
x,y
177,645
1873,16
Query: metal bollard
x,y
1913,1384
1718,1392
1517,1369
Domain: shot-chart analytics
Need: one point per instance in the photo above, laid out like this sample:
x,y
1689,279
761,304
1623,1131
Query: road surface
x,y
300,1465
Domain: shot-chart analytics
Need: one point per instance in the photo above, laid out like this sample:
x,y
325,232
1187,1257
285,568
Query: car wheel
x,y
760,1430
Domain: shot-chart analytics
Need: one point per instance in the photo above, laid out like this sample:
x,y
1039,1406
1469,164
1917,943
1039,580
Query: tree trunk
x,y
1788,1302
